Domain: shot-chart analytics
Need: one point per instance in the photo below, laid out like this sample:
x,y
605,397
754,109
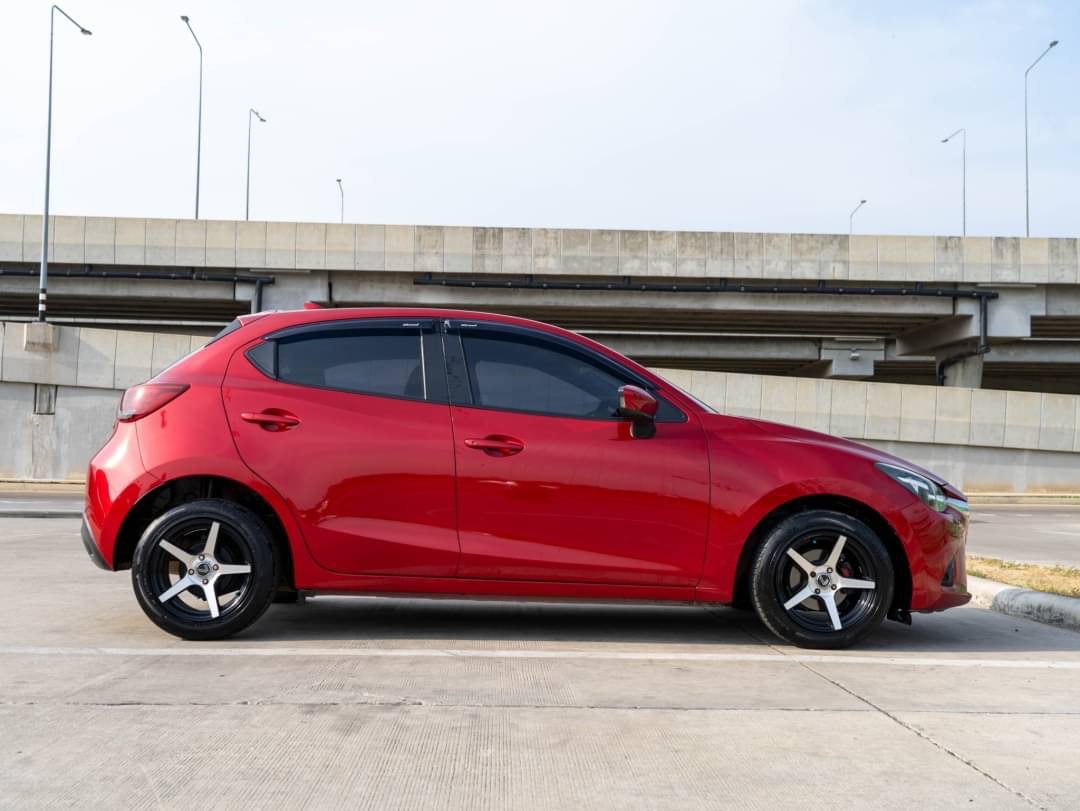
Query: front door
x,y
348,421
551,484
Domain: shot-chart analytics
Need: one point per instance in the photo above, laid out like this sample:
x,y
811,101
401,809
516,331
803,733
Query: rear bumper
x,y
115,480
91,546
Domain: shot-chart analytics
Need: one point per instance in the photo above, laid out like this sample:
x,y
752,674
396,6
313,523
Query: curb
x,y
1024,499
1050,609
40,486
40,514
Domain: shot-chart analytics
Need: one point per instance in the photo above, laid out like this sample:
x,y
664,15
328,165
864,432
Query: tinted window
x,y
264,356
366,361
524,375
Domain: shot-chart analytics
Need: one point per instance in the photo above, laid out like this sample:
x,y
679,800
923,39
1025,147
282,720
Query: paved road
x,y
378,703
1031,534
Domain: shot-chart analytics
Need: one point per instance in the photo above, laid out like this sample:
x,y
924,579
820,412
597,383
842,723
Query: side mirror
x,y
638,406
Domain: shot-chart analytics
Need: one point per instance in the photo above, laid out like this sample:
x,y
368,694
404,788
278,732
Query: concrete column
x,y
966,373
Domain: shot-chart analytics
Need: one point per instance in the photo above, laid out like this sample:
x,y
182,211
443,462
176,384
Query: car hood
x,y
791,433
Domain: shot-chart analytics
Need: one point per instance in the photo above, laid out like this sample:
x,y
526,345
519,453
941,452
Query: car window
x,y
525,375
366,361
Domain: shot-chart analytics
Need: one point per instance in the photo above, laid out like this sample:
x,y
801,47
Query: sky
x,y
763,115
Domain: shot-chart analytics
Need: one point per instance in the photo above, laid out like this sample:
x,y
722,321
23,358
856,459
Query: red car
x,y
438,452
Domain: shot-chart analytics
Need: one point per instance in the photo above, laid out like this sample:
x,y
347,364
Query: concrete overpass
x,y
990,312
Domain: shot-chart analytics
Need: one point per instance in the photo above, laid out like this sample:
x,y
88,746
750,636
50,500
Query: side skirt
x,y
465,589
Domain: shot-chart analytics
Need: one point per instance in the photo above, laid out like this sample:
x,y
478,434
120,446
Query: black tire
x,y
175,542
778,578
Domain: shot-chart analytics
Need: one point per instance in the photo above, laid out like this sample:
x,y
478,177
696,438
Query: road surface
x,y
1030,534
381,704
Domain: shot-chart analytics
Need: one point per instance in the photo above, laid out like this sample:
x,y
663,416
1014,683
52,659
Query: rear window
x,y
232,326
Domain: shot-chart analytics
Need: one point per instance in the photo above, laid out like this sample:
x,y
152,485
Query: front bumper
x,y
941,581
91,546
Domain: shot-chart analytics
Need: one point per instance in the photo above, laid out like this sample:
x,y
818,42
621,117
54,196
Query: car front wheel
x,y
822,579
205,569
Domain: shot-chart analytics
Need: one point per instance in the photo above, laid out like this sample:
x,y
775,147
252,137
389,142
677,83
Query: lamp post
x,y
963,182
342,190
1027,197
44,275
851,220
198,141
247,197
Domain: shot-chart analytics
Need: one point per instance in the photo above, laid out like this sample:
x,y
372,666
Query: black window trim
x,y
349,325
435,392
454,352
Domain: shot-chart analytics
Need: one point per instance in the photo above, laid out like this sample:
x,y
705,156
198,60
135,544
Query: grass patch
x,y
1063,580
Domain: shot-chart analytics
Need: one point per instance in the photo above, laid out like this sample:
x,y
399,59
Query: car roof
x,y
274,320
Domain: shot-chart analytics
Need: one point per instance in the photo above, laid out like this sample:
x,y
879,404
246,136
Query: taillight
x,y
147,398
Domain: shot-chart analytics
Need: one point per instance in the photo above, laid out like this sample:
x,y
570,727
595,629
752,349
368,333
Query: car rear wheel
x,y
205,569
822,579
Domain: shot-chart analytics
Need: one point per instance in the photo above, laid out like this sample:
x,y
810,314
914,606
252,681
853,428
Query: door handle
x,y
272,420
496,445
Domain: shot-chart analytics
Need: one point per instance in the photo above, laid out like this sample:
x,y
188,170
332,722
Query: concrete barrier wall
x,y
452,249
90,357
983,440
87,370
53,446
891,412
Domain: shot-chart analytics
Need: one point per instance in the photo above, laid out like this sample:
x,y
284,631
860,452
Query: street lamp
x,y
44,276
247,197
340,189
1027,198
851,219
963,181
198,142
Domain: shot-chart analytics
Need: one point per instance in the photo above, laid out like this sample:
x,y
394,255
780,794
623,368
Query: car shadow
x,y
461,621
338,619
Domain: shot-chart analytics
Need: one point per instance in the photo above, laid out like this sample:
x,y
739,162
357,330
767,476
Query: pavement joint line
x,y
890,716
468,653
424,704
914,730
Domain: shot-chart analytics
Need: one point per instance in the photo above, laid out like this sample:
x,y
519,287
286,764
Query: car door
x,y
349,422
551,484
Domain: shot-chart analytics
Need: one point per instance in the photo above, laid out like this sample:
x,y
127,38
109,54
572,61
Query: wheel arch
x,y
842,504
183,489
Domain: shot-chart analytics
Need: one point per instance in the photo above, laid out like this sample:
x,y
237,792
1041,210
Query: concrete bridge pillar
x,y
965,373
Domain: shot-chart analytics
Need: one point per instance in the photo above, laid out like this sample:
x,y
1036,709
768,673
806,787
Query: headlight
x,y
928,492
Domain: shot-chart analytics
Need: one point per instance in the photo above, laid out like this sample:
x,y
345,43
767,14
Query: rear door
x,y
349,422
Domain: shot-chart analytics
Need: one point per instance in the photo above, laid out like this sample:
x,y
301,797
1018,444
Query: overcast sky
x,y
749,116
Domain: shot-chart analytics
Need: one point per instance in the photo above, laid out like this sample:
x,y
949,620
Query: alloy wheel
x,y
827,582
201,571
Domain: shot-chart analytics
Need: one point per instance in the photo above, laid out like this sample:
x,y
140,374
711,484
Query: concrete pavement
x,y
379,703
1046,534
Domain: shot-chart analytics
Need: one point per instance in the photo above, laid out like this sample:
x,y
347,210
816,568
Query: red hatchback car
x,y
437,452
